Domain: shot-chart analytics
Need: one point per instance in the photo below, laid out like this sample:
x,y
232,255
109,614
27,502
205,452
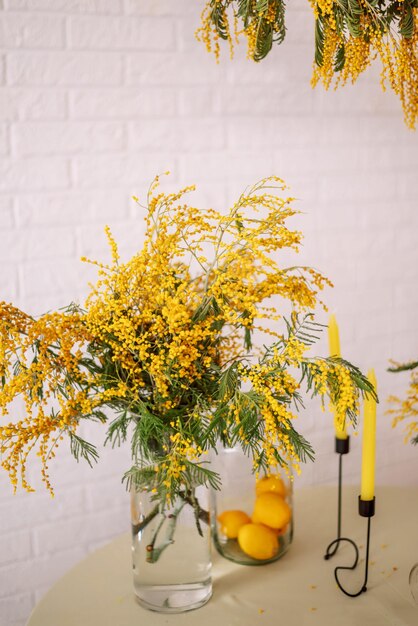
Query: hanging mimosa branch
x,y
349,35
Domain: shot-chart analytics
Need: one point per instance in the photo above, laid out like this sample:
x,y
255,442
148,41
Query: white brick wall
x,y
96,97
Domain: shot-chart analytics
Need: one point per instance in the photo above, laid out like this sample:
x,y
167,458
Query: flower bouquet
x,y
162,355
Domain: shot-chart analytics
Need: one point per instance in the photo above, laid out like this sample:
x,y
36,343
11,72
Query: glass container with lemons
x,y
252,516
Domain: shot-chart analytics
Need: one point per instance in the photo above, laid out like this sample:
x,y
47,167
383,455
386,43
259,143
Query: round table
x,y
297,590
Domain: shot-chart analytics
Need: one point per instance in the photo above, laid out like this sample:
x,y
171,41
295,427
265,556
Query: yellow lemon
x,y
279,532
271,510
258,541
231,522
273,484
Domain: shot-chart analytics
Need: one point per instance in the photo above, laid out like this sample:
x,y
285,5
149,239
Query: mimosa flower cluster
x,y
349,36
406,408
162,355
261,22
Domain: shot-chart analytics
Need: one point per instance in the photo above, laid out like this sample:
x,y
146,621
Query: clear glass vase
x,y
171,550
252,519
413,582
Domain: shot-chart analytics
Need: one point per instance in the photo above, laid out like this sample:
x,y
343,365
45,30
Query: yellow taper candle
x,y
369,444
333,337
335,350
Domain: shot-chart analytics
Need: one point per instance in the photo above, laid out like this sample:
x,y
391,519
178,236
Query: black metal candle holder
x,y
366,508
342,446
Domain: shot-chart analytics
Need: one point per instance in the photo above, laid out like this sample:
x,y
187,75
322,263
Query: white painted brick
x,y
363,130
31,104
214,195
69,208
18,623
186,38
198,101
11,246
406,299
41,278
42,138
4,139
256,133
99,32
115,498
202,135
15,547
358,186
36,244
250,100
6,212
162,7
129,235
38,304
292,64
125,170
394,212
124,103
39,507
15,608
226,166
161,68
300,27
70,6
317,160
359,99
405,243
28,31
64,68
2,69
40,173
42,570
79,531
8,281
407,187
66,472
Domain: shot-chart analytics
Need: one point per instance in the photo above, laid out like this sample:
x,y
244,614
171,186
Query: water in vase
x,y
171,553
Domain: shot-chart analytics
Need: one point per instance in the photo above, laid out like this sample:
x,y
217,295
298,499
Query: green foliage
x,y
175,364
319,41
403,367
339,61
228,382
219,17
82,449
348,16
406,20
265,19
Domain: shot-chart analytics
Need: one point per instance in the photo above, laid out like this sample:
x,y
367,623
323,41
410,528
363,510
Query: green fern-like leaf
x,y
354,25
245,11
404,367
220,19
406,24
339,60
319,41
261,5
228,382
82,449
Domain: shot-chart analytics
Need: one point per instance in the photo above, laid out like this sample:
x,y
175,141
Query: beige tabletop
x,y
297,590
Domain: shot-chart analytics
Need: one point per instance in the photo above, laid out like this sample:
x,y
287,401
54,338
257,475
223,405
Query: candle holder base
x,y
366,509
